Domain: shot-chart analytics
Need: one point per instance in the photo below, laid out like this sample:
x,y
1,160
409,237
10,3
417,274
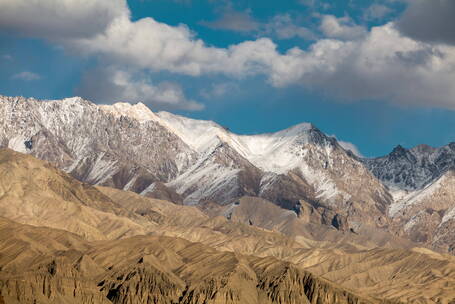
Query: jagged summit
x,y
193,131
412,169
75,99
18,99
399,149
137,111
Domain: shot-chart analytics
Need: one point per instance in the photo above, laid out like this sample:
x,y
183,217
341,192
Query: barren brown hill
x,y
43,265
305,224
34,192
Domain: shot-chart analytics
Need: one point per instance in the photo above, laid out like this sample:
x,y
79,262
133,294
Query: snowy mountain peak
x,y
399,150
127,146
300,128
138,111
74,99
198,134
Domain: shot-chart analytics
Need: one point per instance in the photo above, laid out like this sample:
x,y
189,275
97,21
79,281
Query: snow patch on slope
x,y
450,215
101,168
277,152
207,178
149,189
210,180
17,143
199,134
403,201
137,111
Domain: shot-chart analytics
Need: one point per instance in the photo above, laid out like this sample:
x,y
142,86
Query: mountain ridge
x,y
196,162
414,168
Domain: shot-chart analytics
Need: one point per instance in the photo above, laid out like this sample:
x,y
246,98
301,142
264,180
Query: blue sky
x,y
364,71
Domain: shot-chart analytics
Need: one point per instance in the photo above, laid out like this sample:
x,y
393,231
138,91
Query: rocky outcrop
x,y
428,215
412,169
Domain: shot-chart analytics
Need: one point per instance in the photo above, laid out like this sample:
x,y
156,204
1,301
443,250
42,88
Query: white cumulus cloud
x,y
282,26
59,19
341,28
350,63
111,84
351,147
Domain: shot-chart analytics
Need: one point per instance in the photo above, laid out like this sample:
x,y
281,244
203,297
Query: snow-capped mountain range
x,y
192,161
413,169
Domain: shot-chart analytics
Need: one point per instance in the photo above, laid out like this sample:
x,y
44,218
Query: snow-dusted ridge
x,y
409,174
301,147
137,111
269,151
279,152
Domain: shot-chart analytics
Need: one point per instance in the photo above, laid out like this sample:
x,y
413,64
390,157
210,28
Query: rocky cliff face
x,y
412,169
